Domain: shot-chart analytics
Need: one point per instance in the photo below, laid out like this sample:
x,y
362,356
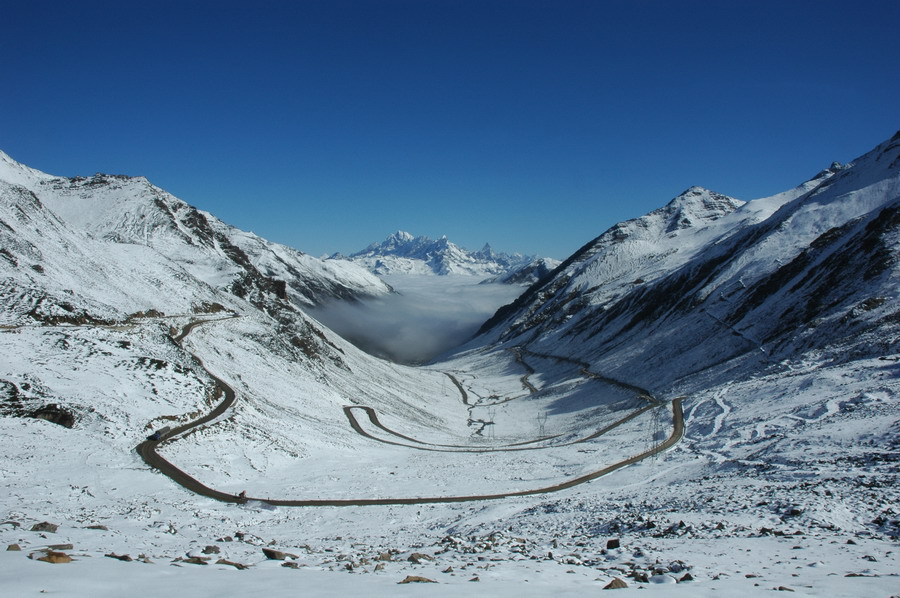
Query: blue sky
x,y
533,125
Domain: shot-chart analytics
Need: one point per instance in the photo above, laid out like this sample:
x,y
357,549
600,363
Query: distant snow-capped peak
x,y
403,253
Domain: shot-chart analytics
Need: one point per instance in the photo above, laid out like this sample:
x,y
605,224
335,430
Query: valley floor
x,y
800,492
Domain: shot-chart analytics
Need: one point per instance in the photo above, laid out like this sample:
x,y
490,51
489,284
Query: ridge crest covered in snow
x,y
403,253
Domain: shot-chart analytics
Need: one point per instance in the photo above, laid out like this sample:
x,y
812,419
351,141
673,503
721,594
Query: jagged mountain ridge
x,y
124,210
403,253
708,279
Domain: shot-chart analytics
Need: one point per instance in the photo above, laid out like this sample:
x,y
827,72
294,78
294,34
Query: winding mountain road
x,y
148,448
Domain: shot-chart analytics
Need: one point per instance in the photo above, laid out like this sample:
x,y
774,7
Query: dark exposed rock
x,y
45,526
55,414
195,560
616,584
240,566
640,577
416,579
121,557
54,557
277,555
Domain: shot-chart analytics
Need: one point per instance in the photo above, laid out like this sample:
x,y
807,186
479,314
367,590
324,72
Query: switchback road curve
x,y
148,452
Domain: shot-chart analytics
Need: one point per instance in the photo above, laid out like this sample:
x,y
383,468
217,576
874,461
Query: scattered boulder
x,y
195,560
291,565
784,589
45,526
418,558
686,577
476,578
99,527
640,576
277,555
384,556
122,557
54,557
616,584
662,579
211,550
613,544
416,579
448,570
677,566
240,566
13,547
380,566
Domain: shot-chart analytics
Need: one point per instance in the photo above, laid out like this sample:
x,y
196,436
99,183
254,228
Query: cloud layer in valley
x,y
428,316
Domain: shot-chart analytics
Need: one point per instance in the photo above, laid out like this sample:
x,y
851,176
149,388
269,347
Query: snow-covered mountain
x,y
707,395
708,279
402,253
126,216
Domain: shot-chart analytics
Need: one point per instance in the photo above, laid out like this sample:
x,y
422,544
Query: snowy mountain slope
x,y
14,173
402,253
130,210
49,270
707,278
788,453
295,377
527,273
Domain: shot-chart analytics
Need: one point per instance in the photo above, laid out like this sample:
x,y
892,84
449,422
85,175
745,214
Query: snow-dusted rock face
x,y
402,253
51,271
709,278
130,211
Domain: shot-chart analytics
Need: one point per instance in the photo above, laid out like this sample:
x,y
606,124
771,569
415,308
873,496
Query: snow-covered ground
x,y
785,478
782,480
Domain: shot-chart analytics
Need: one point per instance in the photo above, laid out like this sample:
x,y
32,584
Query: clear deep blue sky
x,y
534,125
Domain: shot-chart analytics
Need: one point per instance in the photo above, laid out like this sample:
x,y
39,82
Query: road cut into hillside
x,y
371,428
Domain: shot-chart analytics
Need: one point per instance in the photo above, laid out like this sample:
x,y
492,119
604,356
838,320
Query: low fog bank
x,y
428,316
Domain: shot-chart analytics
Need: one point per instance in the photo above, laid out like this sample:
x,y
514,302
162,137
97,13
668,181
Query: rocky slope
x,y
129,214
708,279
